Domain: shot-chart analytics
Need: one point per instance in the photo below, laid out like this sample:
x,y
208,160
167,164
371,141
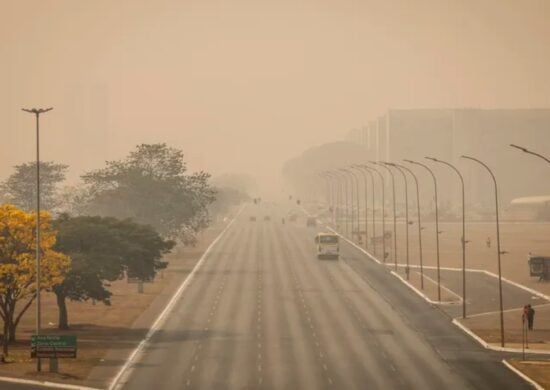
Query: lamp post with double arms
x,y
383,185
358,224
394,212
407,269
37,112
364,171
419,224
338,208
437,232
326,176
463,239
499,252
344,177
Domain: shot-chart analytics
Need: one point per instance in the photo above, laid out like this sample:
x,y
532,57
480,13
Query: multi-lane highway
x,y
263,312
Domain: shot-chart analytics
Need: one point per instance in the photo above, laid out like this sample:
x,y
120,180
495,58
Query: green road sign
x,y
53,346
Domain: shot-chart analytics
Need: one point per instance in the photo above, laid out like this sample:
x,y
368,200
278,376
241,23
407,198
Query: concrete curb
x,y
522,375
45,384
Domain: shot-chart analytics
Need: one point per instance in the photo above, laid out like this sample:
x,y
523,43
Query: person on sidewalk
x,y
530,316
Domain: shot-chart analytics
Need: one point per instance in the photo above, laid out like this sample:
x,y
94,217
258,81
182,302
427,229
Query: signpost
x,y
53,346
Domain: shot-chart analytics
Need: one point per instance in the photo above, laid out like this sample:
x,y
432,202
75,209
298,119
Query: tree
x,y
18,264
20,188
151,187
102,250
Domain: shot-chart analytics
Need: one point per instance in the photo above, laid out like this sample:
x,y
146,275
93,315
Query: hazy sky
x,y
241,85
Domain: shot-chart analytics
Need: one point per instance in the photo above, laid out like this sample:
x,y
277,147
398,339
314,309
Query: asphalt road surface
x,y
263,312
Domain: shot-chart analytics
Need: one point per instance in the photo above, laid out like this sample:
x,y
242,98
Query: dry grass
x,y
539,371
98,327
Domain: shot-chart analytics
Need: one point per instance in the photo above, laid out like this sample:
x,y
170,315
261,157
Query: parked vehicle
x,y
539,266
252,219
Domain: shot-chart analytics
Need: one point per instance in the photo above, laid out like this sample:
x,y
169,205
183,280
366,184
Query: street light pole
x,y
394,213
437,232
499,252
363,169
338,187
358,225
328,195
407,269
37,112
525,150
369,169
345,181
419,224
463,232
329,175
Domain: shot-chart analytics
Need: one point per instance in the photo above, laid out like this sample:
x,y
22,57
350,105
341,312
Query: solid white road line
x,y
444,288
124,373
45,384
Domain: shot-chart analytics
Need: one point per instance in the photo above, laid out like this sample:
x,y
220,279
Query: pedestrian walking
x,y
530,316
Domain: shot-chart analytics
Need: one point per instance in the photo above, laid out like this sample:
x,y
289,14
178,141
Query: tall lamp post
x,y
333,194
407,269
358,225
372,169
328,196
419,224
364,171
344,176
463,239
499,252
37,112
337,198
437,232
394,213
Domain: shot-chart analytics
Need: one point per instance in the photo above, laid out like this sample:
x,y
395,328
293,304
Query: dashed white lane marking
x,y
198,348
306,315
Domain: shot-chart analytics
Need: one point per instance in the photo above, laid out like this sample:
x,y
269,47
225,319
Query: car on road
x,y
252,219
292,217
267,218
327,245
311,222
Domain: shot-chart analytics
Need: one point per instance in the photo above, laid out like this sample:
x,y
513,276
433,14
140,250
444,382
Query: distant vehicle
x,y
267,218
283,221
252,219
292,217
327,245
311,221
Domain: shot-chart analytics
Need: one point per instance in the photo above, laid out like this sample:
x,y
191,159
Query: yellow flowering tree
x,y
18,265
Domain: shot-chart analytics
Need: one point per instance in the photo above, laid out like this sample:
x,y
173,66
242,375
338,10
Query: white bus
x,y
327,245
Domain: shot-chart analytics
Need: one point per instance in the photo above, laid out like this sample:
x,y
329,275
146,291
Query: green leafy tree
x,y
151,187
20,187
18,265
102,250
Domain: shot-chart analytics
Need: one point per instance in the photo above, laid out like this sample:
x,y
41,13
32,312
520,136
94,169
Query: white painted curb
x,y
45,384
523,376
126,370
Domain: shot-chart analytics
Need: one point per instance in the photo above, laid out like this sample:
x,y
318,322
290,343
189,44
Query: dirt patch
x,y
100,328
